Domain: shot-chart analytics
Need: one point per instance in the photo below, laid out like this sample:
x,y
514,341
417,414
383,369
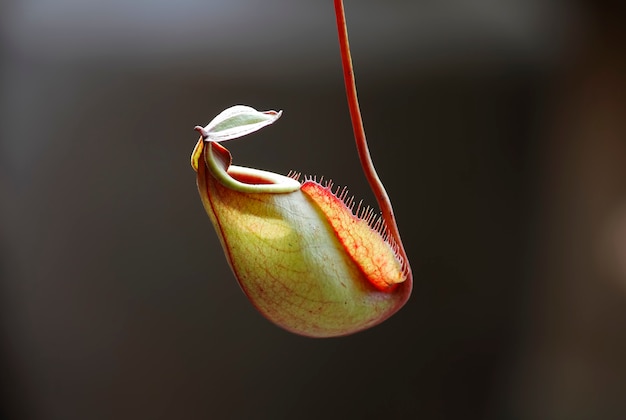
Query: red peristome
x,y
373,254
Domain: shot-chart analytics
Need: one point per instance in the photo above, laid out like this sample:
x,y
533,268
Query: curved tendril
x,y
359,134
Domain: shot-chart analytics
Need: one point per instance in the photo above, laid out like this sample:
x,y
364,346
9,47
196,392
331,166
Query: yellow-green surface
x,y
288,260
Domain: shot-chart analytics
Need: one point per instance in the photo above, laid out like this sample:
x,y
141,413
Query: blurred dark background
x,y
498,127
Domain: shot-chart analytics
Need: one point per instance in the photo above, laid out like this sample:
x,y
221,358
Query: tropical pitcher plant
x,y
306,258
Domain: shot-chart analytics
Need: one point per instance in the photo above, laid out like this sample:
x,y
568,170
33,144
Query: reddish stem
x,y
359,134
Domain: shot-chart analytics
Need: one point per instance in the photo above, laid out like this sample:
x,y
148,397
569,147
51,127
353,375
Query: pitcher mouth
x,y
251,180
239,178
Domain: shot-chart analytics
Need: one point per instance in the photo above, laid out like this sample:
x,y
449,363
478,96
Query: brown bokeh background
x,y
499,129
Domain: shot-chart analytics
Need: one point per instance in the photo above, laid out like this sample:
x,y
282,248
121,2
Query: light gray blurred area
x,y
498,128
